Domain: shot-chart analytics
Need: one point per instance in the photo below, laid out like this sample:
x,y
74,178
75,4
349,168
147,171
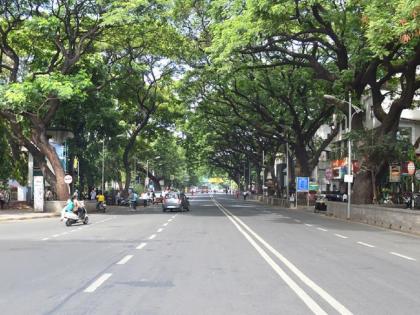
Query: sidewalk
x,y
20,211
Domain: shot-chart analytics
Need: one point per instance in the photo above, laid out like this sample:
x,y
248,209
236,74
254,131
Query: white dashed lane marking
x,y
165,224
340,236
98,283
402,256
365,244
321,229
142,245
159,230
152,236
308,224
125,259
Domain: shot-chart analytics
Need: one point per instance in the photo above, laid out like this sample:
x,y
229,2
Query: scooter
x,y
101,207
70,218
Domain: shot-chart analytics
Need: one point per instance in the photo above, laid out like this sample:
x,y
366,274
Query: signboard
x,y
68,179
394,173
302,184
161,182
348,178
411,168
313,186
38,193
172,177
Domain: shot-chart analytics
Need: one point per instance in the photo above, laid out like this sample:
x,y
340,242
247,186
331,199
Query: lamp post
x,y
103,166
349,120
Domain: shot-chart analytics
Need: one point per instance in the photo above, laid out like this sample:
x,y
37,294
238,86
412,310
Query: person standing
x,y
93,195
2,198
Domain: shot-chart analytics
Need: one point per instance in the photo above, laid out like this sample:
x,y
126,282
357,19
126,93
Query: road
x,y
225,256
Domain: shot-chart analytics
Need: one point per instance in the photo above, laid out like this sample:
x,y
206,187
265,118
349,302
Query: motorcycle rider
x,y
101,199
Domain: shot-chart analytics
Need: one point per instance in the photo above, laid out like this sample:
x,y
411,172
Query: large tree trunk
x,y
40,139
362,192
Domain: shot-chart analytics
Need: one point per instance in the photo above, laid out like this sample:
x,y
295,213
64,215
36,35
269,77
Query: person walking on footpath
x,y
245,194
2,198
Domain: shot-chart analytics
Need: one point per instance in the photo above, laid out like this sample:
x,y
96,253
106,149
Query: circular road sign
x,y
411,168
68,179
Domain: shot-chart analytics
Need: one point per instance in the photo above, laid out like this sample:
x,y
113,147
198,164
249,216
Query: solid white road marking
x,y
159,230
124,260
321,292
152,236
365,244
97,283
308,224
402,256
321,229
142,245
341,236
312,305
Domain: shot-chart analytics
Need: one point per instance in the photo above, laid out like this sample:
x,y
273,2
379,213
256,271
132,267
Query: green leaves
x,y
31,94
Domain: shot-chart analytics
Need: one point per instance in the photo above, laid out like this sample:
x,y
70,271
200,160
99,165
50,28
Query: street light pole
x,y
103,165
349,162
263,173
287,170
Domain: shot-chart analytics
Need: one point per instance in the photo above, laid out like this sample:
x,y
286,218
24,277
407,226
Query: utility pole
x,y
103,166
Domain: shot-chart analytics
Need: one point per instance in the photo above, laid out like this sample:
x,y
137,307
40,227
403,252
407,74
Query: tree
x,y
353,45
40,45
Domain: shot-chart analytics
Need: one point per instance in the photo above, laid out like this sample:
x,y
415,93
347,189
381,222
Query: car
x,y
175,201
334,196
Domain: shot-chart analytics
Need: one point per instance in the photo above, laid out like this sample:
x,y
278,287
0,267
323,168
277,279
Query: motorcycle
x,y
70,218
101,207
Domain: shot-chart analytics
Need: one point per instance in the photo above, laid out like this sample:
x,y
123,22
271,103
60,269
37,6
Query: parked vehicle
x,y
175,201
334,196
70,218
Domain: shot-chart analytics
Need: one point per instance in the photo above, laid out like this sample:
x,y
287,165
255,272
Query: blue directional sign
x,y
302,184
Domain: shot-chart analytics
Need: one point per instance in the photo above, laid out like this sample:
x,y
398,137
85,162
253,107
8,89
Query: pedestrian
x,y
93,194
48,194
245,194
2,198
118,198
237,194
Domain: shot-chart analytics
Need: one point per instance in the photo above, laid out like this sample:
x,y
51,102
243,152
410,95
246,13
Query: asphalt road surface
x,y
225,256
